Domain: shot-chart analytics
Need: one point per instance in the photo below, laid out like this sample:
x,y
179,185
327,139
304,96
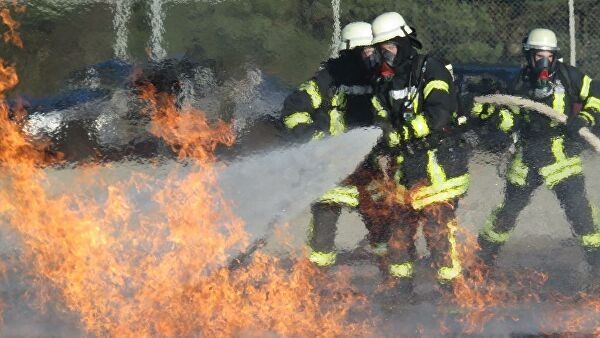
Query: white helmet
x,y
541,39
388,26
356,34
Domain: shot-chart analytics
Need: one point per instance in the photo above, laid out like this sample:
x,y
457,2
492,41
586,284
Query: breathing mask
x,y
541,72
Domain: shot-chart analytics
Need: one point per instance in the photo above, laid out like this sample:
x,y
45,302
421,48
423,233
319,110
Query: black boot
x,y
488,251
593,259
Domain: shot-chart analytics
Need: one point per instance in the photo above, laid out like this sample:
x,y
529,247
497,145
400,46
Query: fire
x,y
482,296
12,35
156,267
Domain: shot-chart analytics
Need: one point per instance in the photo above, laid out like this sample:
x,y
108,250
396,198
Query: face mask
x,y
386,72
542,73
372,61
388,57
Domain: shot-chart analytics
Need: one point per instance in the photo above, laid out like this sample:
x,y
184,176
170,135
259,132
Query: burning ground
x,y
143,250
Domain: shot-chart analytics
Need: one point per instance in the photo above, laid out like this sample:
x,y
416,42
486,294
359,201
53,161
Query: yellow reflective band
x,y
419,125
393,139
399,159
322,258
585,87
595,216
441,188
338,100
406,132
593,103
559,102
434,170
379,249
312,89
448,273
398,176
591,240
589,117
507,120
380,111
477,109
318,135
336,122
489,112
517,174
489,233
563,167
347,196
435,84
297,118
415,103
404,270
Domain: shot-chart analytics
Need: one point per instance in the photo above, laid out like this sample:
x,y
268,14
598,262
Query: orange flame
x,y
135,270
12,35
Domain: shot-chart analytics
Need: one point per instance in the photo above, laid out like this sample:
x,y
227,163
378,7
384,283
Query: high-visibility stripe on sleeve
x,y
312,89
379,110
507,120
295,119
588,117
435,85
419,125
585,87
393,139
592,103
336,122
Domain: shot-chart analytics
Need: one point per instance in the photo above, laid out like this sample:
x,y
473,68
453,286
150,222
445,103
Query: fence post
x,y
573,55
336,37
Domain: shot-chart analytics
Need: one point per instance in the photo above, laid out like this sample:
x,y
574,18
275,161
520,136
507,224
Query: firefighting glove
x,y
574,124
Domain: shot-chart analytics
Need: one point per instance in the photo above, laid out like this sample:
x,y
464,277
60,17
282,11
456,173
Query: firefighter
x,y
415,104
336,98
546,152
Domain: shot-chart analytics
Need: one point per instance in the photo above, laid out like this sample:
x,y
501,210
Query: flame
x,y
157,268
12,35
481,296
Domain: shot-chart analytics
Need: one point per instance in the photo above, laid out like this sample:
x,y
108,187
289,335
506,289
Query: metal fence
x,y
491,31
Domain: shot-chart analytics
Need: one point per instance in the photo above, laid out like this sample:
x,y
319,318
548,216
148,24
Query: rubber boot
x,y
488,252
593,259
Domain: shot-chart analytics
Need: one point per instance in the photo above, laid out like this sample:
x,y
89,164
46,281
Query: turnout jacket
x,y
542,143
416,110
334,99
417,106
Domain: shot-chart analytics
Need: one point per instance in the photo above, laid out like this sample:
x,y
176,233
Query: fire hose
x,y
541,108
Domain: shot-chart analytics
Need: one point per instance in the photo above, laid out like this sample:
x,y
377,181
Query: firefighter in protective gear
x,y
337,98
415,105
546,152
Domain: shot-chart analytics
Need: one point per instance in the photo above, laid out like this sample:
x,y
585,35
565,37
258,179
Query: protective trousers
x,y
351,193
567,181
428,186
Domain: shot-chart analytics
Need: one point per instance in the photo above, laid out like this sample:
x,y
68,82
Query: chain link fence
x,y
492,31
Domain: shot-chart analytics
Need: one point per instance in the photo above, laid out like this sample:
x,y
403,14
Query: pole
x,y
572,32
